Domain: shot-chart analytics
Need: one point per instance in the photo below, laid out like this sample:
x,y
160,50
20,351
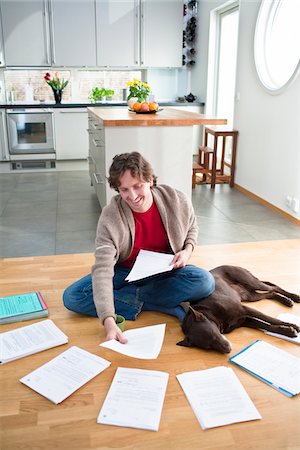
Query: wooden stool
x,y
207,157
202,165
196,169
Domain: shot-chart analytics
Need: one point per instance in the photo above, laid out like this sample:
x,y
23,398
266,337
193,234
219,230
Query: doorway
x,y
222,57
222,60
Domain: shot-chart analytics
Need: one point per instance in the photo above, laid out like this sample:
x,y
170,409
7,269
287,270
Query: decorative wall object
x,y
190,10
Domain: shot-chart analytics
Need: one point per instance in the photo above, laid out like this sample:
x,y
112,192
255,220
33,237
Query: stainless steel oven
x,y
30,132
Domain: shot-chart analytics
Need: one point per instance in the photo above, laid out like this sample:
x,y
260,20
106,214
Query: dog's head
x,y
203,333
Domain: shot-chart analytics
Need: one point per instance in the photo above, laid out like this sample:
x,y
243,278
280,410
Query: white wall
x,y
268,154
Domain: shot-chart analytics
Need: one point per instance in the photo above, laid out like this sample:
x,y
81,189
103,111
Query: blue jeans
x,y
162,292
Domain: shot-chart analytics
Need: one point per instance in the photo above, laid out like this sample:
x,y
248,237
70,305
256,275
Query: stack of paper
x,y
272,365
135,399
217,397
28,340
63,375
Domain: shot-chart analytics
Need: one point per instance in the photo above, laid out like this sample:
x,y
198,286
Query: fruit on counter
x,y
136,106
153,106
144,106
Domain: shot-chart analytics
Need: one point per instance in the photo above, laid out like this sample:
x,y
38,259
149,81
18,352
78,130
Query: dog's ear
x,y
184,343
197,315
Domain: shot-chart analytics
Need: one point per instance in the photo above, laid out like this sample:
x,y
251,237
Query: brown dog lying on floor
x,y
222,311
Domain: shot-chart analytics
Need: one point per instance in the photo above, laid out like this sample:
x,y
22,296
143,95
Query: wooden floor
x,y
29,421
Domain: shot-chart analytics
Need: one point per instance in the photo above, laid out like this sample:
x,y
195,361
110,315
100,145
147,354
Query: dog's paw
x,y
287,301
292,330
296,327
296,298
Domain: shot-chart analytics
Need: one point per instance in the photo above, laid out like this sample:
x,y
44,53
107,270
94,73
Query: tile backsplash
x,y
165,84
80,83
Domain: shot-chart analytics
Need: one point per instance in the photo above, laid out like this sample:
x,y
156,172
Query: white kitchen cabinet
x,y
25,32
97,159
139,33
117,33
73,32
103,33
161,33
49,32
71,137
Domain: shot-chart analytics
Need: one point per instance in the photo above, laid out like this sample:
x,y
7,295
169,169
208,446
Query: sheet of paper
x,y
143,343
63,375
135,399
217,397
30,339
149,263
287,317
277,367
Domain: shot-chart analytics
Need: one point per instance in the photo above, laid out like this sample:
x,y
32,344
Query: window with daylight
x,y
276,45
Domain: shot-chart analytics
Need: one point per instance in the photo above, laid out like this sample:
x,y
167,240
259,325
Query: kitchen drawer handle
x,y
47,43
90,131
72,112
96,178
96,142
91,160
97,126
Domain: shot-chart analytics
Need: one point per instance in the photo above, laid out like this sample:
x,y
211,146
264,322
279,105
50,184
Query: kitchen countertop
x,y
119,117
85,105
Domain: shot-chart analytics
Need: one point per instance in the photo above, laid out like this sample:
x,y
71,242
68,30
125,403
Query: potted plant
x,y
138,91
97,94
108,93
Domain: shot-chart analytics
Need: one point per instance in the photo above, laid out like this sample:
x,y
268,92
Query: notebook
x,y
16,308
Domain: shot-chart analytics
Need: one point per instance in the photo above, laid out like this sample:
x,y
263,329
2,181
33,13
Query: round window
x,y
276,44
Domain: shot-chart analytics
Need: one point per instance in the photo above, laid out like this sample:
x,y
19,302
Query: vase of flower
x,y
138,90
132,101
57,85
57,95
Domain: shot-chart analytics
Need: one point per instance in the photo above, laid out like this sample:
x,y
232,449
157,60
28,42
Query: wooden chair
x,y
207,164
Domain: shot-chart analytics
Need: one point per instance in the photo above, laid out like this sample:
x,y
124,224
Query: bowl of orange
x,y
145,108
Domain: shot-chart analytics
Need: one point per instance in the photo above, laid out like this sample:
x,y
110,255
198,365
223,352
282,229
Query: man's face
x,y
136,193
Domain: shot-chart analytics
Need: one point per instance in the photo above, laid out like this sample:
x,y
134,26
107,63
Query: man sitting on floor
x,y
142,216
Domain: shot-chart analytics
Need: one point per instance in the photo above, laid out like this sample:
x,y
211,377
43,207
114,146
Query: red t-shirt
x,y
150,234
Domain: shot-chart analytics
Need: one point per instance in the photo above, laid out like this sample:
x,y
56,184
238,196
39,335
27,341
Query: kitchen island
x,y
164,138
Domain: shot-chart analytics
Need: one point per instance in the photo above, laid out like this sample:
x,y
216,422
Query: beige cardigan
x,y
115,238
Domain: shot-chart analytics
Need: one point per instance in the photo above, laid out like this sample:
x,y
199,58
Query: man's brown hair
x,y
138,166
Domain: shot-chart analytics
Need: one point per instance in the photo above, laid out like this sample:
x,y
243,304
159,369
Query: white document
x,y
64,374
135,399
30,339
143,343
287,317
149,263
217,397
272,365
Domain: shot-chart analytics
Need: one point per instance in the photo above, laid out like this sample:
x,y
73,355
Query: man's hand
x,y
113,331
181,258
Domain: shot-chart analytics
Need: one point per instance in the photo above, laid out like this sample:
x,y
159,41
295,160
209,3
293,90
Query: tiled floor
x,y
227,216
57,213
